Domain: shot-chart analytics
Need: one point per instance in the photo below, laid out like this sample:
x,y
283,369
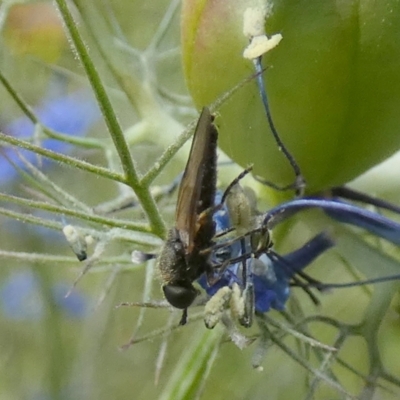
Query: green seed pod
x,y
333,84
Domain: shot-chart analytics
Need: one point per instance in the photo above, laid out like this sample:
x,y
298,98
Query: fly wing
x,y
192,181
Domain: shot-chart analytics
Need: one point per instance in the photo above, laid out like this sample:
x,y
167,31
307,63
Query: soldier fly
x,y
181,260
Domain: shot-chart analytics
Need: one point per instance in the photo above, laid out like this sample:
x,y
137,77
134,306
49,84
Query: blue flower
x,y
271,273
274,273
21,298
75,305
72,114
341,211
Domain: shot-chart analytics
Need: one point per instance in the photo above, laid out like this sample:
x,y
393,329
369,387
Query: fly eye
x,y
180,296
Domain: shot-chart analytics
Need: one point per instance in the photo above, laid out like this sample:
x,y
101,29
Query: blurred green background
x,y
54,347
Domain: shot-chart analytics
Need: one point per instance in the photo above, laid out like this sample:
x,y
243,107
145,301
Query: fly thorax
x,y
171,260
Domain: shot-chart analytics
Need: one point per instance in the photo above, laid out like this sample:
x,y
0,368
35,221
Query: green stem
x,y
82,142
31,219
138,90
110,222
131,176
73,162
57,260
112,123
159,165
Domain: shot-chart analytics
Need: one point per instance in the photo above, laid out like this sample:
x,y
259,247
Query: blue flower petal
x,y
271,273
20,297
73,114
75,305
341,211
274,292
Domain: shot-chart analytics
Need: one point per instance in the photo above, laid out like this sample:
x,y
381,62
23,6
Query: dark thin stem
x,y
325,286
233,183
244,262
355,195
299,183
296,279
